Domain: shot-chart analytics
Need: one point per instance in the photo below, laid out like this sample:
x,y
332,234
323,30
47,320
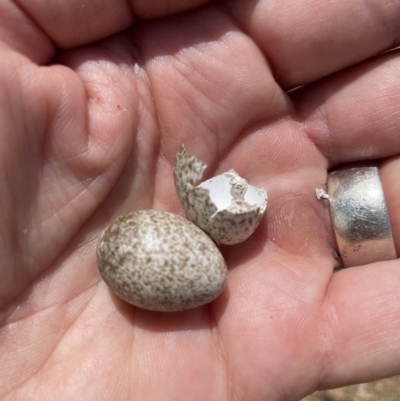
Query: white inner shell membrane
x,y
228,186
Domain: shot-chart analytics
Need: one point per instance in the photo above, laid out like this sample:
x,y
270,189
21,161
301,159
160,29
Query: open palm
x,y
91,131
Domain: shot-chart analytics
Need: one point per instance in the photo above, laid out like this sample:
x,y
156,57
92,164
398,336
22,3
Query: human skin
x,y
96,98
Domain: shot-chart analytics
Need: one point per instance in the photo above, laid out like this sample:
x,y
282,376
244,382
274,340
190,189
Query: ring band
x,y
359,216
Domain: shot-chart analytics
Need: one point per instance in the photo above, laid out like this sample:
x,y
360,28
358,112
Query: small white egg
x,y
226,206
160,261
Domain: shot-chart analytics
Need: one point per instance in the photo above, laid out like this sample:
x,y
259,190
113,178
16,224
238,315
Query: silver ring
x,y
359,216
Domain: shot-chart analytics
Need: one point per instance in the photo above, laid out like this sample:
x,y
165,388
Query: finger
x,y
160,8
306,40
20,33
70,24
389,174
354,115
360,335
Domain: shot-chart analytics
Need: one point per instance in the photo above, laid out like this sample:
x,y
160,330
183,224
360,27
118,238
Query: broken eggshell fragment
x,y
226,206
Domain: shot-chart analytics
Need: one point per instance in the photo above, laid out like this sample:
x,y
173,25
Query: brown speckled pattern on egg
x,y
239,186
236,223
190,169
230,226
160,261
196,201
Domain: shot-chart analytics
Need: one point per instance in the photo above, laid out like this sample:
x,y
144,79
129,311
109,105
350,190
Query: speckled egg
x,y
160,261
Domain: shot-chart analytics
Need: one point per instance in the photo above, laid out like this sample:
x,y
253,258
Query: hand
x,y
91,130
